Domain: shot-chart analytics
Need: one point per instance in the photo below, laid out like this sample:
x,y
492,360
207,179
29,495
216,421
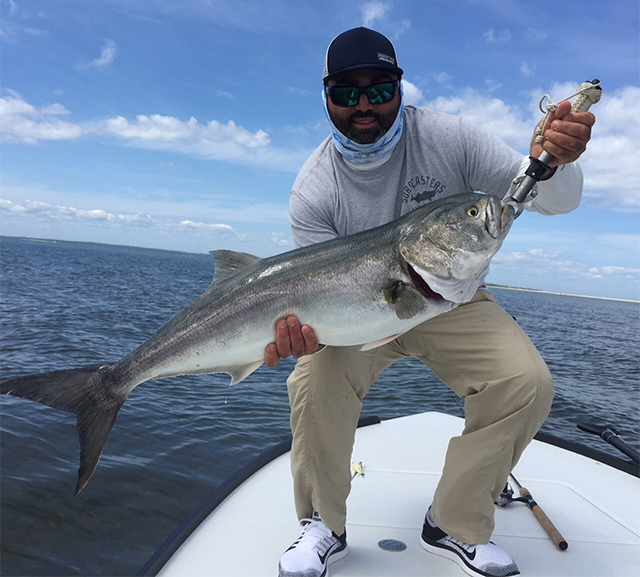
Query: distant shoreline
x,y
509,288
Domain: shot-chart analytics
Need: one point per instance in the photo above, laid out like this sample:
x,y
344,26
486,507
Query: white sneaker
x,y
311,554
478,560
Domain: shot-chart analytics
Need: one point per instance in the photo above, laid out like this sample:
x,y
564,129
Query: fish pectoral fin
x,y
229,263
240,372
407,300
379,342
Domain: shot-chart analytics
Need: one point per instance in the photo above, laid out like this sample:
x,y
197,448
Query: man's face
x,y
364,123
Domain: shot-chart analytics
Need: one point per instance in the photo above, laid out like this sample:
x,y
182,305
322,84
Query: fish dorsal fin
x,y
229,263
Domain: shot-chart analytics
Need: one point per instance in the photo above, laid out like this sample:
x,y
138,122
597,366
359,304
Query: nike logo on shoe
x,y
468,553
328,552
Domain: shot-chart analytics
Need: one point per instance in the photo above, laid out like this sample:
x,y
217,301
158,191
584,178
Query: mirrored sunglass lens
x,y
345,95
380,93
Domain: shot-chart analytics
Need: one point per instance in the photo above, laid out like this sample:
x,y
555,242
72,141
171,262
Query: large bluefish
x,y
366,289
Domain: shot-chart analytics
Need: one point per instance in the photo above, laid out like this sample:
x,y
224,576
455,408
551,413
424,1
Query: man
x,y
383,160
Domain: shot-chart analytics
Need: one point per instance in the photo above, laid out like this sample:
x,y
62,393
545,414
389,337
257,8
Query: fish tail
x,y
92,393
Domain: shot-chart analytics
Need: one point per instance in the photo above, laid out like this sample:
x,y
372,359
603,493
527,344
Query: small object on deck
x,y
358,469
392,545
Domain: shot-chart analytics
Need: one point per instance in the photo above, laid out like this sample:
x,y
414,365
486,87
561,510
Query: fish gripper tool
x,y
588,93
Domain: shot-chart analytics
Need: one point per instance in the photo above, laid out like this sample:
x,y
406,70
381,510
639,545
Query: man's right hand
x,y
291,339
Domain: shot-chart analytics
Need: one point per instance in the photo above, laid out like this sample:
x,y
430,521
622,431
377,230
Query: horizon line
x,y
489,284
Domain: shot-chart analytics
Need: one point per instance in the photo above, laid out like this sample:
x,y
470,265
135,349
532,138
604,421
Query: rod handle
x,y
546,523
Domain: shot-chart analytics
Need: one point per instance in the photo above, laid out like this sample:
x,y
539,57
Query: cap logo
x,y
386,58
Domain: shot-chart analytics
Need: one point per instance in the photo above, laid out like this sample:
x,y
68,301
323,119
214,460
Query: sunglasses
x,y
346,96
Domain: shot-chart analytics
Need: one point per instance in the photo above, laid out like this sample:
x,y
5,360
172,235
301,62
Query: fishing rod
x,y
507,497
588,93
612,436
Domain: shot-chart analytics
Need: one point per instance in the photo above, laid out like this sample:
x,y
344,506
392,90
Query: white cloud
x,y
13,24
527,70
536,36
244,209
22,217
493,37
625,271
372,11
611,167
629,243
280,239
404,26
206,226
21,122
538,264
35,31
411,93
442,77
46,211
504,120
107,56
160,129
213,140
492,85
610,248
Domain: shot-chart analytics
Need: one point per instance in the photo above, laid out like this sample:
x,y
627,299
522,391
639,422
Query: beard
x,y
365,136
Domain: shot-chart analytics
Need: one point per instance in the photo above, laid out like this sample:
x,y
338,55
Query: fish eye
x,y
473,211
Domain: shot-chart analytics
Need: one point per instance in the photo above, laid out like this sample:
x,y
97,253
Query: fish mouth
x,y
498,217
423,288
492,223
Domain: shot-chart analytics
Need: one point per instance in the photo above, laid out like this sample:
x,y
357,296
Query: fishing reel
x,y
506,497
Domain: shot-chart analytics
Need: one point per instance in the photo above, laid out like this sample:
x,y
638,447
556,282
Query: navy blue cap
x,y
358,49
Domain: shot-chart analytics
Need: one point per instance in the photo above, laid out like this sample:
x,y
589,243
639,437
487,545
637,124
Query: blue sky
x,y
181,124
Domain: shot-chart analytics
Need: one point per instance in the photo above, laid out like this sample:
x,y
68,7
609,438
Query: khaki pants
x,y
479,352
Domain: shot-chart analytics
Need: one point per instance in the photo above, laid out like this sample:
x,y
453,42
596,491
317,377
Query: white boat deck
x,y
595,507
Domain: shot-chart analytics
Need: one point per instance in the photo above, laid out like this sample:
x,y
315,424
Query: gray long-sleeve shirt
x,y
438,155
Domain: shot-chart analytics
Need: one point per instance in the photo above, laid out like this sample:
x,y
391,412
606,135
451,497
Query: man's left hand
x,y
566,135
291,339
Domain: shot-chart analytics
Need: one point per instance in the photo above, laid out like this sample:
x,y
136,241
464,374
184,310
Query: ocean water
x,y
175,440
